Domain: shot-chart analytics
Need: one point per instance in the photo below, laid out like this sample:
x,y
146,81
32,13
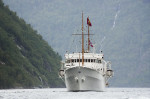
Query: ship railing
x,y
108,65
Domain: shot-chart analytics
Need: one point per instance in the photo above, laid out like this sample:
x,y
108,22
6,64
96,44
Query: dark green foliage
x,y
25,58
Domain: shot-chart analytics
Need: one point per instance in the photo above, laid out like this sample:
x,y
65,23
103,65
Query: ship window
x,y
94,60
77,60
91,60
99,61
88,60
72,60
80,60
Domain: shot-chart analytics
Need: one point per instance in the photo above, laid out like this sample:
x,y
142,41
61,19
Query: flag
x,y
88,22
90,43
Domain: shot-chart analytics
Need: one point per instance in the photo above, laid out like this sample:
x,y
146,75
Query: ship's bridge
x,y
91,60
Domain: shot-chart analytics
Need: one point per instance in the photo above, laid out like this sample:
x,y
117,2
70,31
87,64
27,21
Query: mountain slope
x,y
123,24
26,60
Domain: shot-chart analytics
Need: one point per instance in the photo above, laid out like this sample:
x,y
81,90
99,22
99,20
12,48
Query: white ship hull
x,y
84,79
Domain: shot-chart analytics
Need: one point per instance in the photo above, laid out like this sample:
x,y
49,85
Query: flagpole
x,y
88,38
82,42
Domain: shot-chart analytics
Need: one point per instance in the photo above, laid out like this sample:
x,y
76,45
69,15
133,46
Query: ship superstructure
x,y
85,71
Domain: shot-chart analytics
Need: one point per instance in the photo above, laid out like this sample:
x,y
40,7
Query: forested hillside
x,y
26,60
121,28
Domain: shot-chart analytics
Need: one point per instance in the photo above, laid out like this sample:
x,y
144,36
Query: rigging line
x,y
101,43
71,44
72,40
116,15
114,23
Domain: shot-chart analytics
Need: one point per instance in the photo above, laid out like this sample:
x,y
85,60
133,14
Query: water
x,y
61,93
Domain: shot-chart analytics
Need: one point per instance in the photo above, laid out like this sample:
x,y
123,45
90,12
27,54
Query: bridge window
x,y
75,60
72,60
94,60
86,60
99,61
80,60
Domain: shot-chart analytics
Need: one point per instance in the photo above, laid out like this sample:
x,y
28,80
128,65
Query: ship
x,y
85,70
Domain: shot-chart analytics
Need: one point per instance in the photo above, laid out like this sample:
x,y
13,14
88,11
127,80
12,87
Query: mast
x,y
82,42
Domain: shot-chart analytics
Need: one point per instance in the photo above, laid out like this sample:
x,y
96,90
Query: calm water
x,y
61,93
